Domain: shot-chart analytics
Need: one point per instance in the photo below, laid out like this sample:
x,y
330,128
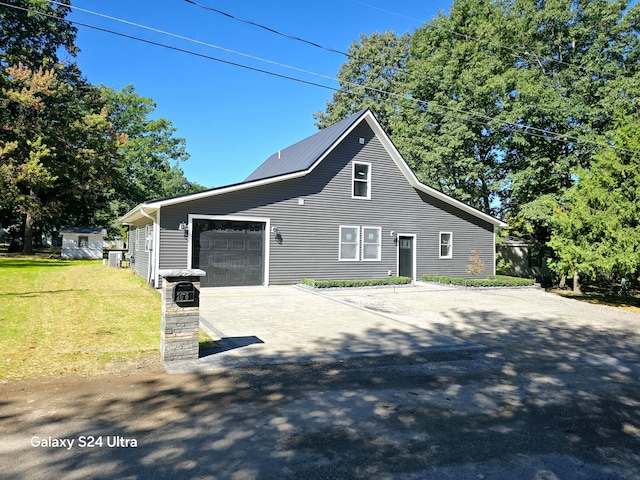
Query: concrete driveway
x,y
290,324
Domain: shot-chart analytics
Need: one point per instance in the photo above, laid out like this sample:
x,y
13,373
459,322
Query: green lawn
x,y
59,317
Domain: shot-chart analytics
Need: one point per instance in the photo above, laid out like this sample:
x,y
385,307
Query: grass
x,y
60,317
602,296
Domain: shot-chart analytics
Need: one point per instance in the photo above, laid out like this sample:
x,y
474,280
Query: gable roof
x,y
302,158
302,155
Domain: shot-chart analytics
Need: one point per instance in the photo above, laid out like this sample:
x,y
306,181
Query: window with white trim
x,y
361,180
371,243
446,245
349,243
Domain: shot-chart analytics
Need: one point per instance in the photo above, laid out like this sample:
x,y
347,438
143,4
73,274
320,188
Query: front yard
x,y
73,317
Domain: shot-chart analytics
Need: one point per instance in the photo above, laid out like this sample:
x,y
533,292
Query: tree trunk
x,y
563,281
576,282
28,235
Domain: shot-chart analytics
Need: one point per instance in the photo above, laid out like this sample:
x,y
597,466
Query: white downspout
x,y
152,249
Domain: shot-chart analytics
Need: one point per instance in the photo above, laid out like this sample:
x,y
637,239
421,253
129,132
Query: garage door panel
x,y
231,252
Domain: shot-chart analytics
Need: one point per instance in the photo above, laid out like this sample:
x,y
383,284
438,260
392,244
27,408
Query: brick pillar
x,y
180,314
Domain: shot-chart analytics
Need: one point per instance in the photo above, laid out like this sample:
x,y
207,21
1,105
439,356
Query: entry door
x,y
405,256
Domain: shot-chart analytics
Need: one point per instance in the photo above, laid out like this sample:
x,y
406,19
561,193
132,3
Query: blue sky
x,y
233,119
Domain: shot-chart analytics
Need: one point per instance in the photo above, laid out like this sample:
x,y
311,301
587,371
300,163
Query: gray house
x,y
341,204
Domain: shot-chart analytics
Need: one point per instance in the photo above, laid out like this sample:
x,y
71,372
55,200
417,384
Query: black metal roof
x,y
302,155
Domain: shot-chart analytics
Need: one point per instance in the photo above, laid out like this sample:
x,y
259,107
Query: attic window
x,y
361,180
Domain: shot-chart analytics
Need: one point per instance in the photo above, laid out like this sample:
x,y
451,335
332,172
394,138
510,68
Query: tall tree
x,y
596,223
461,81
150,153
503,99
373,77
576,63
58,149
35,31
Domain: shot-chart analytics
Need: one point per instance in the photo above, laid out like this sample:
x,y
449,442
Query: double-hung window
x,y
446,245
371,243
349,243
361,180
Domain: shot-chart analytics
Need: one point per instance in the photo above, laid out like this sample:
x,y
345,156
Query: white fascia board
x,y
413,180
136,214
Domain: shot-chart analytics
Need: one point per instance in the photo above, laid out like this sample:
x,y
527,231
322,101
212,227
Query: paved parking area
x,y
289,324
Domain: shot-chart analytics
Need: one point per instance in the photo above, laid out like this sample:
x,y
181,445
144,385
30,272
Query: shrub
x,y
371,282
490,281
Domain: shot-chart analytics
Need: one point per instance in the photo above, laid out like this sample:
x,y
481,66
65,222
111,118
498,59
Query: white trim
x,y
234,218
156,251
357,257
414,248
384,139
379,229
353,180
450,245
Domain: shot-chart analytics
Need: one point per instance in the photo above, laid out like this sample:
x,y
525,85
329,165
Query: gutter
x,y
151,250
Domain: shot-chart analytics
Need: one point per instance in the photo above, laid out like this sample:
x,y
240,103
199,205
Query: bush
x,y
371,282
490,281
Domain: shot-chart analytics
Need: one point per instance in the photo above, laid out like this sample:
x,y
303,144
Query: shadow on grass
x,y
41,293
600,296
28,262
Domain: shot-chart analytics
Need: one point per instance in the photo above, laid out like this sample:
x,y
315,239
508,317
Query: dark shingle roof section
x,y
305,153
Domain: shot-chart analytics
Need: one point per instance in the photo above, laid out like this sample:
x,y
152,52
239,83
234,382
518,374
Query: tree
x,y
150,153
577,63
502,100
376,66
461,81
35,31
596,224
57,149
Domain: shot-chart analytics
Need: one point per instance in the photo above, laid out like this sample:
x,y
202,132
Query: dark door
x,y
405,257
231,252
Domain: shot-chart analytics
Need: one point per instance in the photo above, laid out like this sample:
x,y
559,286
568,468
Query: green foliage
x,y
596,225
490,281
150,153
355,283
376,65
58,148
504,90
35,39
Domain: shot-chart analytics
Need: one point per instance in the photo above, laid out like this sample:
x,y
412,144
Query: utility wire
x,y
192,40
269,29
517,53
524,129
170,47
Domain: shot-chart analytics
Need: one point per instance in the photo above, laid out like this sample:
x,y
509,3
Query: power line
x,y
527,130
170,47
192,40
269,29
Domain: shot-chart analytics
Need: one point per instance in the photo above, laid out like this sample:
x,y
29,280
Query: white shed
x,y
82,243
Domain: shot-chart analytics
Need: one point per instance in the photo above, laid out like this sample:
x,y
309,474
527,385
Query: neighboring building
x,y
82,243
341,204
524,258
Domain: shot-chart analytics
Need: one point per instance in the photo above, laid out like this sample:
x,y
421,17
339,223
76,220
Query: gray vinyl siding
x,y
310,232
137,237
